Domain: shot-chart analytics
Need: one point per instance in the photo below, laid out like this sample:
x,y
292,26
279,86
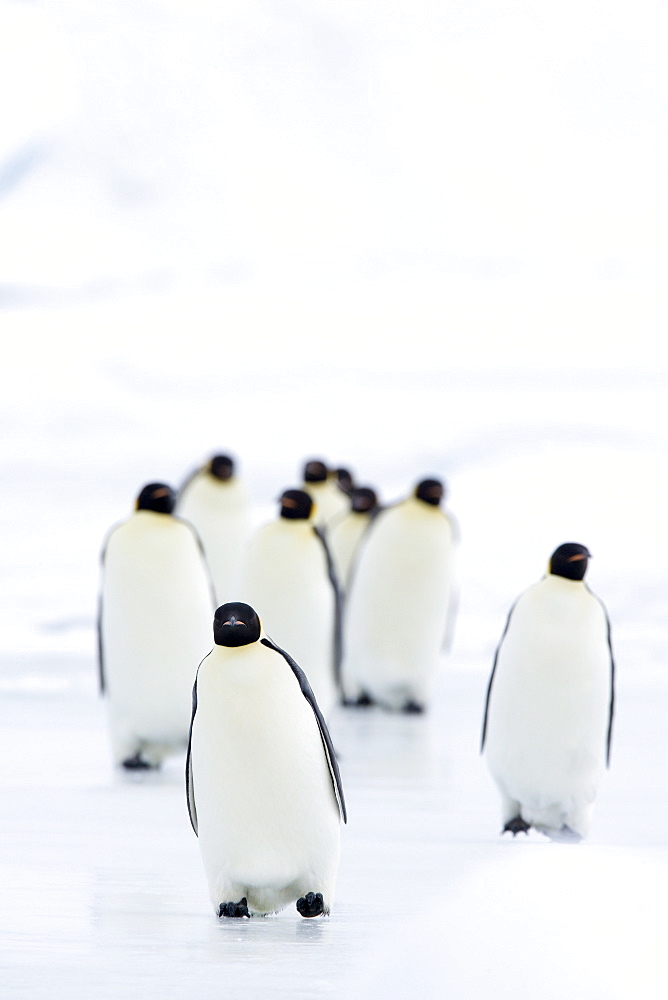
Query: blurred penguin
x,y
550,701
263,785
398,605
214,500
329,498
289,577
154,623
347,533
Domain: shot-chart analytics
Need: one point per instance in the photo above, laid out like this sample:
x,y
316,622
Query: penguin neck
x,y
562,581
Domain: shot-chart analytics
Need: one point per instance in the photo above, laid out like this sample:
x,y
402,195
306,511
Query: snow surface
x,y
411,238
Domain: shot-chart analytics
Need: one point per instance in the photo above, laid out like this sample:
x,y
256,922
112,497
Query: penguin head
x,y
157,497
363,500
221,467
430,491
315,471
570,561
236,624
296,505
344,480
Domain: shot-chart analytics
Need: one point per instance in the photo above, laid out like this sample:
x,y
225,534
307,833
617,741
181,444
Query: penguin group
x,y
339,600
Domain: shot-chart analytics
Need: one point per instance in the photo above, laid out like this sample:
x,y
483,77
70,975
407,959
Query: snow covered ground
x,y
412,238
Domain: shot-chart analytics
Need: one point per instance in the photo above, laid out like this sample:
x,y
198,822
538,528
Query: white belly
x,y
549,705
286,581
219,511
156,626
397,607
266,809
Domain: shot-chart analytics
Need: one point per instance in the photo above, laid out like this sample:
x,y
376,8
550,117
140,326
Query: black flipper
x,y
200,546
491,678
307,691
190,791
611,708
338,607
100,647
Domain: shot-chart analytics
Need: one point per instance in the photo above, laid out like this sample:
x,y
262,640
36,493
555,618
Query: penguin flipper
x,y
100,648
190,792
338,605
328,746
491,678
611,706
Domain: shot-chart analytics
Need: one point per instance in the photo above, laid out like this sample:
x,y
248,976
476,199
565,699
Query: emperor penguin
x,y
154,622
322,485
347,533
215,501
398,603
289,574
262,781
547,725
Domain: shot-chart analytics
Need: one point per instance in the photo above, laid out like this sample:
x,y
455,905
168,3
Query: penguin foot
x,y
138,763
239,909
516,825
412,708
364,701
311,905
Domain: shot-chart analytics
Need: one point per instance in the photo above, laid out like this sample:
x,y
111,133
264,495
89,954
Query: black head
x,y
570,561
157,497
363,500
430,491
344,480
221,467
296,505
236,624
315,471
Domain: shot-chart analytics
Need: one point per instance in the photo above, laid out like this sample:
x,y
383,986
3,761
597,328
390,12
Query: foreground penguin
x,y
263,785
399,602
154,623
289,573
214,500
548,717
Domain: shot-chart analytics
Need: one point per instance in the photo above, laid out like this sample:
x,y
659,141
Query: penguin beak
x,y
233,621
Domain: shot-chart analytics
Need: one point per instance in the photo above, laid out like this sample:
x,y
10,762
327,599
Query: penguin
x,y
263,785
215,501
547,726
322,485
289,573
154,622
347,533
344,480
398,603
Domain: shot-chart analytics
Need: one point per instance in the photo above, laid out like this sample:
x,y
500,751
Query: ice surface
x,y
411,238
104,894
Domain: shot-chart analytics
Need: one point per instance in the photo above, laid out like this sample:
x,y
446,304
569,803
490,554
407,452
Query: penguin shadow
x,y
274,930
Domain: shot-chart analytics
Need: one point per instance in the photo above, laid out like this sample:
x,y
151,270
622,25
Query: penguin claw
x,y
363,701
138,763
311,905
516,825
239,909
412,708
